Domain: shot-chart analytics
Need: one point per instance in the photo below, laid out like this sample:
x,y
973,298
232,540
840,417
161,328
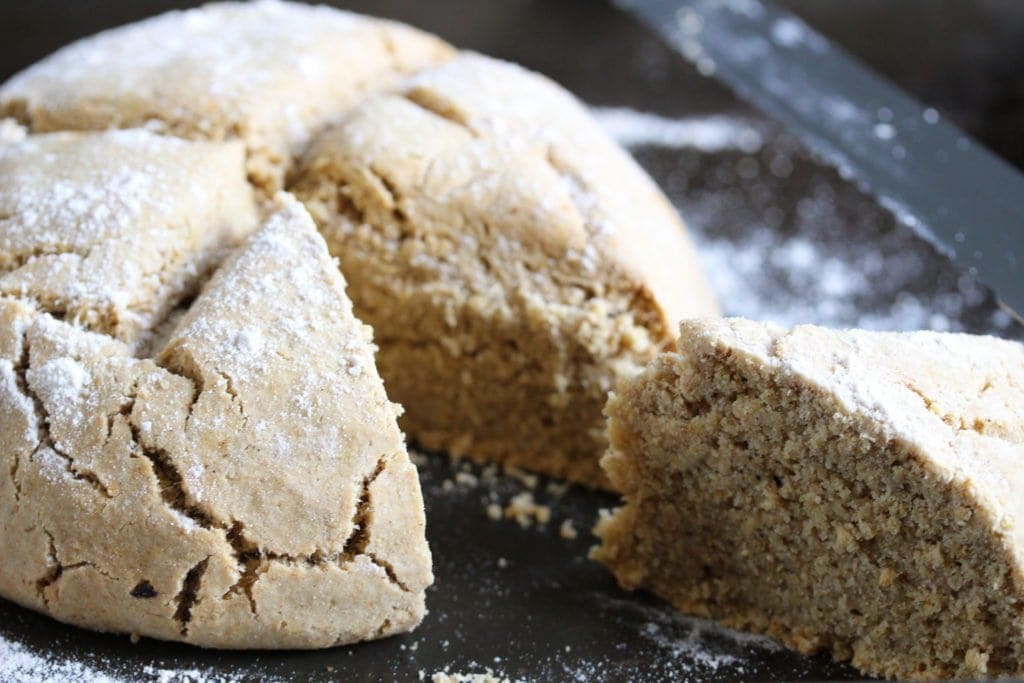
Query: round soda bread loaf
x,y
268,73
227,469
848,490
228,472
512,260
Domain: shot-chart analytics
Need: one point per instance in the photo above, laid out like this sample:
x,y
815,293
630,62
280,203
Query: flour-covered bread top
x,y
507,164
112,230
247,488
630,227
269,73
274,344
514,261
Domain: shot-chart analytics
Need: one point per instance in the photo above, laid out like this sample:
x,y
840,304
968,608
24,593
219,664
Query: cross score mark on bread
x,y
513,261
246,487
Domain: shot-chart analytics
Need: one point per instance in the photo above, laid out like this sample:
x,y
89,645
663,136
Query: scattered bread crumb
x,y
568,530
466,479
525,510
557,489
489,474
488,676
11,131
494,511
527,479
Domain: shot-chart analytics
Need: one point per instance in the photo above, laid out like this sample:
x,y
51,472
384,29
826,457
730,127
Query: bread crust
x,y
269,73
229,472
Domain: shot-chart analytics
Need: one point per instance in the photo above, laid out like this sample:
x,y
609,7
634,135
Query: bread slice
x,y
247,488
854,491
512,260
269,73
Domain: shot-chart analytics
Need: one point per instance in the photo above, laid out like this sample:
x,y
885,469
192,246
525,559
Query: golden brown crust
x,y
269,73
249,488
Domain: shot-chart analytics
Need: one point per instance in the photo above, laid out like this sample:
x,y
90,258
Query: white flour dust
x,y
809,284
632,128
18,664
694,649
797,273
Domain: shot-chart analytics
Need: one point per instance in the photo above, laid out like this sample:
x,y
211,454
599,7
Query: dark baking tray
x,y
526,602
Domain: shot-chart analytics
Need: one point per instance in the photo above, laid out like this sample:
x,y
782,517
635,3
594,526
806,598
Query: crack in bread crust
x,y
170,482
155,423
252,560
188,596
13,261
42,421
55,571
440,107
297,68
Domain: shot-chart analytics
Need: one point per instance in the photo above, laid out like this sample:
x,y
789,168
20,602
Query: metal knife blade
x,y
936,179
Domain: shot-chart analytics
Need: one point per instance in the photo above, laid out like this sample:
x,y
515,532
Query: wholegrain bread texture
x,y
268,73
512,260
248,486
852,491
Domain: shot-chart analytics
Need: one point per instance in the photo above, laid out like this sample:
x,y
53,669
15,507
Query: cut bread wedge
x,y
248,487
845,490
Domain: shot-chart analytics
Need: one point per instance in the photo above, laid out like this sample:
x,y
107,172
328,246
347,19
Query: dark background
x,y
964,57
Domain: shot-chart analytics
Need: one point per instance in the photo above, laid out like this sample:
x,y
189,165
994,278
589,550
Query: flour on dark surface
x,y
784,238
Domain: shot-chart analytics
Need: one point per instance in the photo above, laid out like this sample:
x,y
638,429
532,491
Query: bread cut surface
x,y
268,73
513,261
247,486
848,490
